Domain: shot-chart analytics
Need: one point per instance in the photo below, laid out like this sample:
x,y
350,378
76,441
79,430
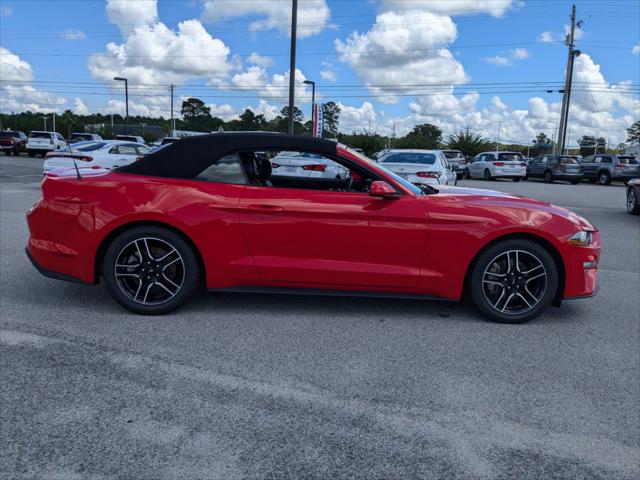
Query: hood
x,y
493,200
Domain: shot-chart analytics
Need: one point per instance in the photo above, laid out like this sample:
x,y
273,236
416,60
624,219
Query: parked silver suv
x,y
604,168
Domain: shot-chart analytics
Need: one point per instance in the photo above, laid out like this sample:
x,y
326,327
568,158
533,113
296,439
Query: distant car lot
x,y
254,386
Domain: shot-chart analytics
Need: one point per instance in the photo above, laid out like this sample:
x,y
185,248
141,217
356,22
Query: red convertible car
x,y
215,210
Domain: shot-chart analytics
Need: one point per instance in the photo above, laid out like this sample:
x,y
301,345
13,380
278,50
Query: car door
x,y
591,166
475,166
333,239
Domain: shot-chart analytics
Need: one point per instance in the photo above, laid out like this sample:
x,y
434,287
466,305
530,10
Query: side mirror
x,y
382,189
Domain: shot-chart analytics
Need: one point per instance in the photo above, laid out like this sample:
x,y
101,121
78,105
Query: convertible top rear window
x,y
410,157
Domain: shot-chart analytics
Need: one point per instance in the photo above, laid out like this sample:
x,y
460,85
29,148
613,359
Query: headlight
x,y
582,238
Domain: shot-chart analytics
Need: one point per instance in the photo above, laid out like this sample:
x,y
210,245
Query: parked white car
x,y
491,165
43,142
306,165
107,154
456,160
420,167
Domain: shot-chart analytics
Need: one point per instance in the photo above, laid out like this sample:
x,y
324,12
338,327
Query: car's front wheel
x,y
633,206
513,281
487,174
604,178
150,270
465,174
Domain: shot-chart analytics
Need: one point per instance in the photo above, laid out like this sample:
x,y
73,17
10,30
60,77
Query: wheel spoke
x,y
504,307
170,281
140,256
525,300
135,297
495,305
531,270
532,297
166,255
491,282
543,274
162,285
166,265
146,244
144,300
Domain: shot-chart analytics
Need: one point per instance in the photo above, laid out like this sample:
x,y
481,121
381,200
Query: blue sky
x,y
390,63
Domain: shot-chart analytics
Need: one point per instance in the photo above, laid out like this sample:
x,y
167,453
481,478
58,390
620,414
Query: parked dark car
x,y
13,142
556,167
604,168
633,196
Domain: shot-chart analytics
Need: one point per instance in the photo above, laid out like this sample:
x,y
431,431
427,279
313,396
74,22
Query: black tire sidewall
x,y
486,256
606,177
487,174
191,263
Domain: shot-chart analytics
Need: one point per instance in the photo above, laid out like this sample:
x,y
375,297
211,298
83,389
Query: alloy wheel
x,y
514,282
150,271
631,201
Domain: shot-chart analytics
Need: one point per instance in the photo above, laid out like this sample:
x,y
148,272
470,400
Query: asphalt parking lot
x,y
277,386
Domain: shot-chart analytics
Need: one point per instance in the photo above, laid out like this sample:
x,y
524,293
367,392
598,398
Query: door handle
x,y
265,209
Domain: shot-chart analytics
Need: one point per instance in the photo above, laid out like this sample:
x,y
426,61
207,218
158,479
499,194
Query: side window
x,y
606,160
226,170
124,150
488,157
597,159
544,159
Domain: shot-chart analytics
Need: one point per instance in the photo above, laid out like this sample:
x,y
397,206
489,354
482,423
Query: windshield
x,y
510,157
298,155
39,135
452,154
410,157
628,160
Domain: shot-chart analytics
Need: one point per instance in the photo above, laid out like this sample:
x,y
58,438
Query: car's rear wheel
x,y
150,270
575,182
633,205
548,177
513,281
465,174
516,179
487,174
604,178
31,153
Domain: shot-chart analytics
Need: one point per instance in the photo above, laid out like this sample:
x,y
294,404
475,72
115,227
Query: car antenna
x,y
78,176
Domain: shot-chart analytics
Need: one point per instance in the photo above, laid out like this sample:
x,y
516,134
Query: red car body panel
x,y
284,237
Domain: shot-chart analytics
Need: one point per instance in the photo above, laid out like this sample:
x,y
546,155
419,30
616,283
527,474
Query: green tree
x,y
370,143
470,144
633,133
331,113
196,114
425,136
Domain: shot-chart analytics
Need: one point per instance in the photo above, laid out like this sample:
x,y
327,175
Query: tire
x,y
31,153
518,298
487,175
633,202
525,178
517,179
466,175
604,178
548,177
169,283
575,182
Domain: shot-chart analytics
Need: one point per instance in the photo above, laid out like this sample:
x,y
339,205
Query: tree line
x,y
196,116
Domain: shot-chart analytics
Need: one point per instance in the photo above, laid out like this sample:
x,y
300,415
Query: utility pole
x,y
498,137
566,96
54,121
45,123
292,62
173,123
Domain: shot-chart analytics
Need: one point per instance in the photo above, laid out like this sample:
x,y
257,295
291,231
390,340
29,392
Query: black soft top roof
x,y
189,156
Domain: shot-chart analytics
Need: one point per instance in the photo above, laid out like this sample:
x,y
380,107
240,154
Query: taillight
x,y
275,165
620,166
82,158
139,157
523,164
314,168
499,164
428,174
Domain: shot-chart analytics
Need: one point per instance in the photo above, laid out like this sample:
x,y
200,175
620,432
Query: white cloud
x,y
79,107
23,96
5,12
508,58
313,15
74,35
128,15
496,8
399,50
275,87
152,53
329,75
357,119
550,37
636,49
547,37
260,60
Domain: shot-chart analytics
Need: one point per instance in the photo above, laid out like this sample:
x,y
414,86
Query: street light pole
x,y
45,118
566,97
292,62
126,98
